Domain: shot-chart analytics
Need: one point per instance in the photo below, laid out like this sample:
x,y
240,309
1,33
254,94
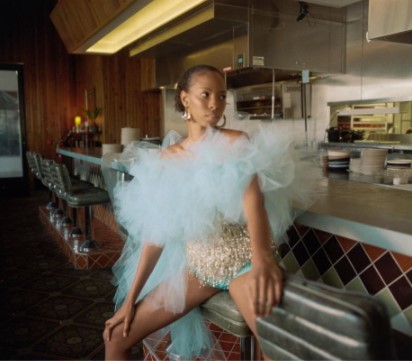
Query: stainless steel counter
x,y
370,213
391,146
91,155
381,216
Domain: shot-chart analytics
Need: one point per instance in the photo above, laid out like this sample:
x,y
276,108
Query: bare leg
x,y
148,320
237,292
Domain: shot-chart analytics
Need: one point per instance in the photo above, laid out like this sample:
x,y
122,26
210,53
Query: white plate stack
x,y
111,148
372,160
129,135
338,159
398,163
354,165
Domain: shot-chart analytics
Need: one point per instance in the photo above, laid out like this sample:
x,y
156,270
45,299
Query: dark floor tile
x,y
23,331
96,315
67,269
50,283
71,342
20,300
102,274
19,277
31,355
44,263
89,288
59,308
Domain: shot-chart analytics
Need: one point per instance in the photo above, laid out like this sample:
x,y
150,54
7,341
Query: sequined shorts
x,y
222,257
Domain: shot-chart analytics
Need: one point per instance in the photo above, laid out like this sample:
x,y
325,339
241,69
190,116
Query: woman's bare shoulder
x,y
172,150
234,134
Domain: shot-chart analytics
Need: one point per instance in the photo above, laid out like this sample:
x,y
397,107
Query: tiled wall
x,y
348,264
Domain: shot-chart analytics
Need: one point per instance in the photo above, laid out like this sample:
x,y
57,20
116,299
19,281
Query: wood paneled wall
x,y
124,99
28,37
55,82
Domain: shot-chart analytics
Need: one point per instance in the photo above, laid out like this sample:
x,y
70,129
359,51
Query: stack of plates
x,y
338,159
111,148
398,163
129,135
354,165
372,160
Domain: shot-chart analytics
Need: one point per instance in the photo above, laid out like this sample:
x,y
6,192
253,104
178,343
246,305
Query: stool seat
x,y
79,194
222,311
86,196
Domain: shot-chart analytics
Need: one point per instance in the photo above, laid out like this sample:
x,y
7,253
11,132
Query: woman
x,y
187,208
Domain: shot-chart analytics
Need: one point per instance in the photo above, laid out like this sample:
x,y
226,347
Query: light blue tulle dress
x,y
189,204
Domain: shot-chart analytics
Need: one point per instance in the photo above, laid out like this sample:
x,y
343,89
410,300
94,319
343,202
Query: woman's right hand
x,y
124,315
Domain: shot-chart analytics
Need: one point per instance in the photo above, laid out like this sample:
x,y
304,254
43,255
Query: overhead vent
x,y
390,20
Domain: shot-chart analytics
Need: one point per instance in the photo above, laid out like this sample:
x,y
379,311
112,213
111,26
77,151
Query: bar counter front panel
x,y
356,236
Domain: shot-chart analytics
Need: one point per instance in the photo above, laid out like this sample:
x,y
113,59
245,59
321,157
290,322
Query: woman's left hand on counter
x,y
265,286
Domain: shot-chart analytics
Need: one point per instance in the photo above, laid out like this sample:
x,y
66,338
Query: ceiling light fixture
x,y
303,10
144,21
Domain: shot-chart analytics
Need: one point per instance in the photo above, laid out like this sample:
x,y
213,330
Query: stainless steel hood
x,y
250,76
210,21
390,20
246,35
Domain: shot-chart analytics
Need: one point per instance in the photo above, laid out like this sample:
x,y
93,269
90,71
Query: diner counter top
x,y
92,155
392,146
376,214
369,213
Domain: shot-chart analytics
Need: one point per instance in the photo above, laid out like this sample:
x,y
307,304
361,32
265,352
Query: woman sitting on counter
x,y
202,216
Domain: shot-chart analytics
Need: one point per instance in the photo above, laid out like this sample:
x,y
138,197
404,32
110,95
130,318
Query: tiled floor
x,y
49,310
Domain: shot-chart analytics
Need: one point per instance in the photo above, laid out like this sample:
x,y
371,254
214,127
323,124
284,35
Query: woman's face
x,y
206,98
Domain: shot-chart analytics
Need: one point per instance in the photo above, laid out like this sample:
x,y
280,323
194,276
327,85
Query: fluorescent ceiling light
x,y
146,20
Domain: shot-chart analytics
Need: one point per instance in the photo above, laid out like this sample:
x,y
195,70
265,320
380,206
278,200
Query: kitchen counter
x,y
390,145
91,155
370,213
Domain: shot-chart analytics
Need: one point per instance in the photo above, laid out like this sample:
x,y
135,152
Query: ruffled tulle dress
x,y
191,204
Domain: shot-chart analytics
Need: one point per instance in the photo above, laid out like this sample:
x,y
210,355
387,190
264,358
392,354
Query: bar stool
x,y
79,195
223,312
47,179
34,161
219,309
32,164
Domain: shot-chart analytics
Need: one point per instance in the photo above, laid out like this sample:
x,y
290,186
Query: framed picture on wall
x,y
13,170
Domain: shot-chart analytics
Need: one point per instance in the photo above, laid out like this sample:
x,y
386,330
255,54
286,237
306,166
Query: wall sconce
x,y
147,19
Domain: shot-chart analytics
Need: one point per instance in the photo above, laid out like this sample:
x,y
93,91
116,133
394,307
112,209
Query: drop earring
x,y
186,115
